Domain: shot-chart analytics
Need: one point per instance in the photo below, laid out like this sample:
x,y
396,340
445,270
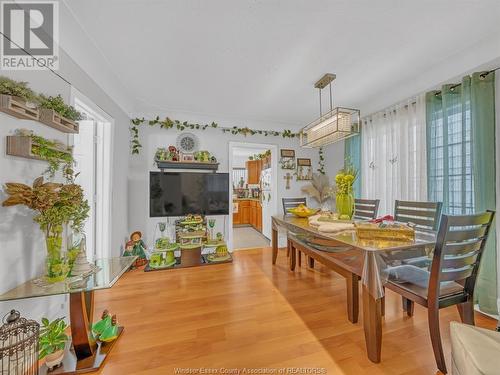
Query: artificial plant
x,y
55,205
58,155
319,189
57,104
182,125
344,197
52,337
17,88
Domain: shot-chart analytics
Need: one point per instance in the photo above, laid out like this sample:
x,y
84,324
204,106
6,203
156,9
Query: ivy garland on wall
x,y
321,162
181,126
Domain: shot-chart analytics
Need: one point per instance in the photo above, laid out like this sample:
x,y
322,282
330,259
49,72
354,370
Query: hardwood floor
x,y
255,315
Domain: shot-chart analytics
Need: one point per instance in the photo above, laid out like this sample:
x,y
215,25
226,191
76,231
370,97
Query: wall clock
x,y
187,143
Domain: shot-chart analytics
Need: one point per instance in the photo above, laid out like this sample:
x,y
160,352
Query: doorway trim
x,y
104,199
274,168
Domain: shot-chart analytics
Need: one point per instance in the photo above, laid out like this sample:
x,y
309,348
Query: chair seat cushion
x,y
416,280
474,350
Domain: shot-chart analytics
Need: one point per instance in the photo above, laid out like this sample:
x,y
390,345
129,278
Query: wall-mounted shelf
x,y
22,146
187,165
51,118
14,106
17,107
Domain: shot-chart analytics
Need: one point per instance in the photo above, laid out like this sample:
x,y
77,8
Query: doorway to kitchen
x,y
252,174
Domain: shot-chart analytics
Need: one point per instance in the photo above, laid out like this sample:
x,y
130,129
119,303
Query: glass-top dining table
x,y
374,257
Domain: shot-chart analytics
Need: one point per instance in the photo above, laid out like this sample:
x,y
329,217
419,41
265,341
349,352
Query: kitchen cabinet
x,y
249,213
254,167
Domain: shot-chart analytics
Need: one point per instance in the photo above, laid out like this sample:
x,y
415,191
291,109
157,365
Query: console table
x,y
83,354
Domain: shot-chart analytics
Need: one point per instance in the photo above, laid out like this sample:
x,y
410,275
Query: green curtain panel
x,y
461,161
352,154
483,150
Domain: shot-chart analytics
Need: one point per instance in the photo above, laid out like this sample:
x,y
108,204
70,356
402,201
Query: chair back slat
x,y
456,274
292,203
462,248
365,209
459,247
424,214
460,261
466,234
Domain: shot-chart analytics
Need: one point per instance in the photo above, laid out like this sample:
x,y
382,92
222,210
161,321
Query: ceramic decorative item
x,y
110,333
136,247
211,225
101,325
81,265
163,255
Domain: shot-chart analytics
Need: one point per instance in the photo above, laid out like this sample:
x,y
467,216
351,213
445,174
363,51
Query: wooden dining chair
x,y
424,215
452,278
291,203
365,209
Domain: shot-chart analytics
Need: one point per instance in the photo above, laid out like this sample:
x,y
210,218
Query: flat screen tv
x,y
182,193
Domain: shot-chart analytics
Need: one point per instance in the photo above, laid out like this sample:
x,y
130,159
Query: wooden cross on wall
x,y
287,178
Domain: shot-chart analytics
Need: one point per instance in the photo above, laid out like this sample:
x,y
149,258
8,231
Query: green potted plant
x,y
56,103
18,89
56,205
52,341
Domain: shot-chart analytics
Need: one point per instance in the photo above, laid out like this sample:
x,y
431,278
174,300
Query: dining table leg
x,y
293,257
372,324
352,298
274,243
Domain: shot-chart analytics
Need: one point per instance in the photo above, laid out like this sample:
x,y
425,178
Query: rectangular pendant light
x,y
337,124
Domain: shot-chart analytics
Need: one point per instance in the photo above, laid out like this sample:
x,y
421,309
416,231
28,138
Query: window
x,y
450,157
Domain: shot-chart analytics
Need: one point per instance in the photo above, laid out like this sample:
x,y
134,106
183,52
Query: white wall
x,y
212,140
22,242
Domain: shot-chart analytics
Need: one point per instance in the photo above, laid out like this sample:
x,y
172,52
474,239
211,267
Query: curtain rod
x,y
483,75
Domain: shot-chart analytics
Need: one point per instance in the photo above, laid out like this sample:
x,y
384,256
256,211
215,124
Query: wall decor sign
x,y
287,159
304,169
188,158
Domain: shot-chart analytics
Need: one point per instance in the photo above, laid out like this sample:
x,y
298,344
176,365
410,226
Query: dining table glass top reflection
x,y
110,270
349,237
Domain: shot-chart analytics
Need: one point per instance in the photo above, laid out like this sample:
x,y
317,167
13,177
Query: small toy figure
x,y
136,247
173,154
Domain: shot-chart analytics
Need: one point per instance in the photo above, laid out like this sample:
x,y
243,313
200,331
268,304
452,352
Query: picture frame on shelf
x,y
187,158
304,169
287,159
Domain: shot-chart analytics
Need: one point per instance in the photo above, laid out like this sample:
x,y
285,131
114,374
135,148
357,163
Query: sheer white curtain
x,y
394,154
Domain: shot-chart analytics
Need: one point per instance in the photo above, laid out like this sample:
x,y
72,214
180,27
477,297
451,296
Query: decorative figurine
x,y
136,247
101,325
211,225
111,332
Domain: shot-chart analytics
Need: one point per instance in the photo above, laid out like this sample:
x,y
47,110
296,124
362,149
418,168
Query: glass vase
x,y
57,265
345,206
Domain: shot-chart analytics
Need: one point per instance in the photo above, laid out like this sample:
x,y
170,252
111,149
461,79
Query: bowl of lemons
x,y
303,211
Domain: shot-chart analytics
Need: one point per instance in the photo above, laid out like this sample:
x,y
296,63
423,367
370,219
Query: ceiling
x,y
258,60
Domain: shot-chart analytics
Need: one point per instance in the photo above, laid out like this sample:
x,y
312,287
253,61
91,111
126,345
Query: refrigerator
x,y
266,201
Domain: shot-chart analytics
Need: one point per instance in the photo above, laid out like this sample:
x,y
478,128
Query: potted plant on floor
x,y
56,205
52,341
